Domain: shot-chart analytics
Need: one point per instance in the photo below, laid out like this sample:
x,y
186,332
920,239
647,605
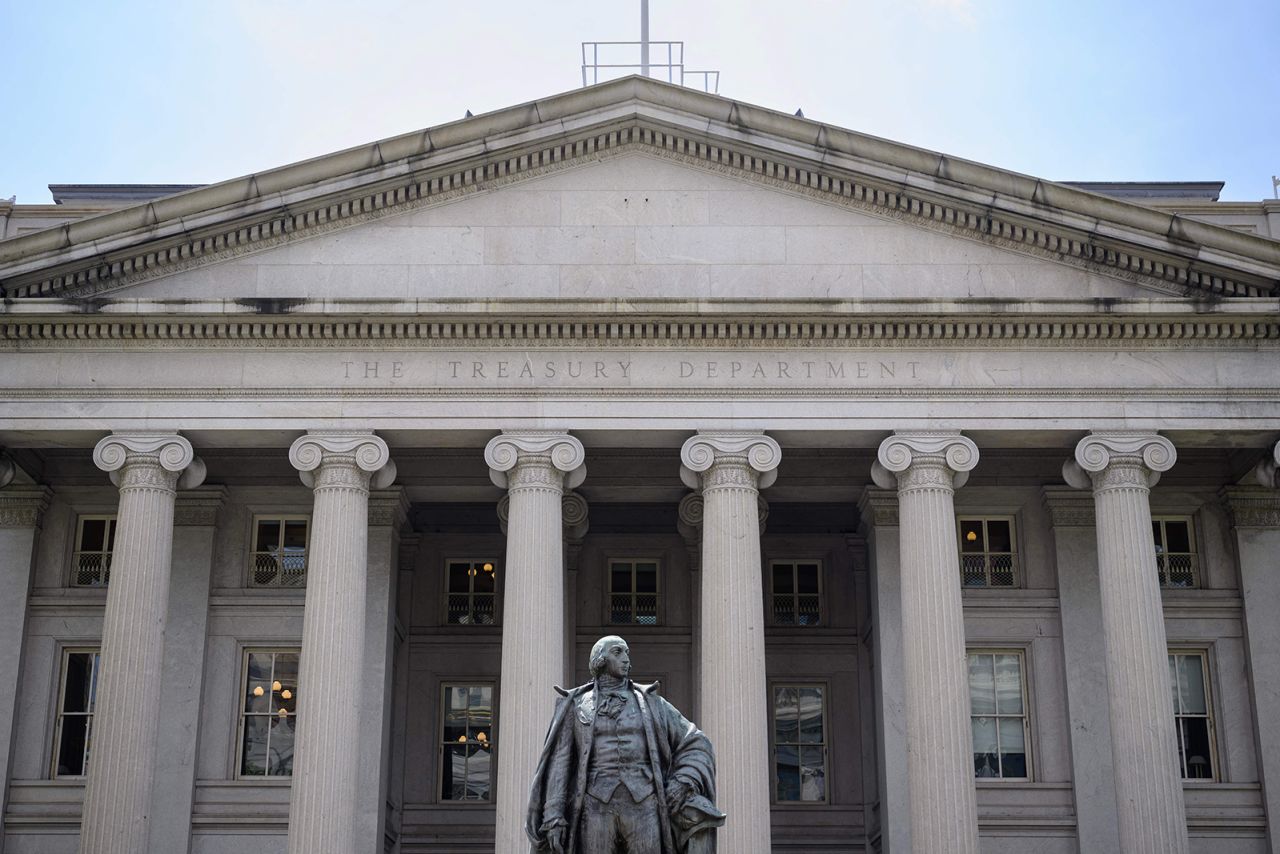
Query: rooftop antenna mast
x,y
603,61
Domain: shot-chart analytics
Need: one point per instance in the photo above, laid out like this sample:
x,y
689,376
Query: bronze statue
x,y
622,771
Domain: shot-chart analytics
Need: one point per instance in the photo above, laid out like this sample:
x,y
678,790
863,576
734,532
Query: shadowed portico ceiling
x,y
1166,252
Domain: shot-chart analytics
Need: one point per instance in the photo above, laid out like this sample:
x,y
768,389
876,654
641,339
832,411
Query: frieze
x,y
970,221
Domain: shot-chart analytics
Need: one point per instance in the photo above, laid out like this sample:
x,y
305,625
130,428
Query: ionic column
x,y
340,467
1121,468
926,469
731,468
1255,519
535,467
148,468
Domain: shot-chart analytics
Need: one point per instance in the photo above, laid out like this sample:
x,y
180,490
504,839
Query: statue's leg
x,y
599,827
641,826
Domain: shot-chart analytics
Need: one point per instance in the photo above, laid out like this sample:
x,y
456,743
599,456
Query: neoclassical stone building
x,y
943,498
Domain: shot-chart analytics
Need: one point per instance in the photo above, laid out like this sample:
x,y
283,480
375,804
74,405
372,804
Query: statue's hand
x,y
677,793
555,831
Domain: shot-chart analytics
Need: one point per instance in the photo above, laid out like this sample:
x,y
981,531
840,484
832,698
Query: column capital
x,y
1119,458
924,457
1252,506
748,450
360,449
1068,507
1267,471
23,507
556,450
158,453
574,516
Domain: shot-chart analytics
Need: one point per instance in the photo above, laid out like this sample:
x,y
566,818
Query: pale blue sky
x,y
191,92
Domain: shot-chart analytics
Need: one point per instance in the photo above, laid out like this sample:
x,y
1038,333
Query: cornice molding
x,y
942,329
1168,262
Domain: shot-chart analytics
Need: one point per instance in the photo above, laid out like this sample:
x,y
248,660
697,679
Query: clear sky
x,y
177,91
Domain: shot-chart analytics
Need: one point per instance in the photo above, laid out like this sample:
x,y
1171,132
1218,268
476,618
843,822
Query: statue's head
x,y
611,654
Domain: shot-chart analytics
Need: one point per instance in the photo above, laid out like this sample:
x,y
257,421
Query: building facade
x,y
943,498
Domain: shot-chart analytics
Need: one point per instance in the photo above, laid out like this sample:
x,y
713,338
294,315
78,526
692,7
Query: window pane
x,y
982,695
1012,736
268,536
257,695
1195,734
999,537
787,767
93,535
1008,684
254,750
785,711
971,535
286,696
1178,537
280,754
646,578
1157,536
482,581
459,578
810,714
807,578
986,760
1173,683
72,744
813,776
1191,684
77,695
620,578
782,578
1013,764
295,534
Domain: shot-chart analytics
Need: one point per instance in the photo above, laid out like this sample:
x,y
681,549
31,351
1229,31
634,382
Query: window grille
x,y
471,597
998,715
77,696
633,592
269,716
799,743
95,540
1176,561
988,554
1193,715
466,743
279,556
797,596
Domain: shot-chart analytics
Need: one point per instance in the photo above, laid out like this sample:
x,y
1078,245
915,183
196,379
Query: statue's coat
x,y
676,748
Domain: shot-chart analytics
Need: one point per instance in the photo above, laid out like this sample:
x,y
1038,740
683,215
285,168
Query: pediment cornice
x,y
1165,252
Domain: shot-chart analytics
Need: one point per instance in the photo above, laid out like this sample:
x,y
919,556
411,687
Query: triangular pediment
x,y
637,189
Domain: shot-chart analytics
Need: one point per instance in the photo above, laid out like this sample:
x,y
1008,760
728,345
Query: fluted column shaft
x,y
117,805
326,758
1121,469
734,692
926,469
533,468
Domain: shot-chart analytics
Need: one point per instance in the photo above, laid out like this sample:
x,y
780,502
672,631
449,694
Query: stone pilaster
x,y
1255,518
926,468
21,512
535,467
341,468
148,468
878,509
730,469
1121,468
1084,657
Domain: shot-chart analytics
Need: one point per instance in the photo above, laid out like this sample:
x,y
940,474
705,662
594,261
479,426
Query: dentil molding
x,y
171,452
1120,457
558,450
948,455
360,448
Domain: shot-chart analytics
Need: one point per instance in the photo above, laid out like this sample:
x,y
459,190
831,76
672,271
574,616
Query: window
x,y
796,597
988,557
77,697
998,715
633,592
799,743
1188,674
466,740
279,557
95,539
1176,560
269,716
471,592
